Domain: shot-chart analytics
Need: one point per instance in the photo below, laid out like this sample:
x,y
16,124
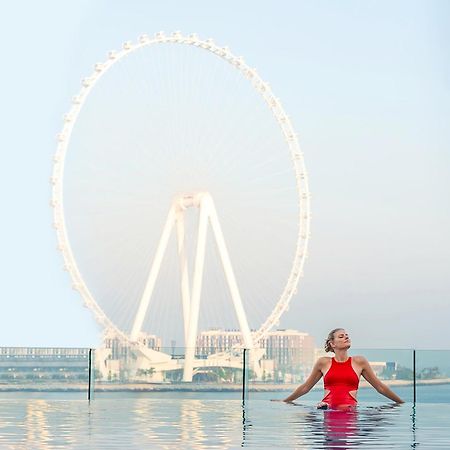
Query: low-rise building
x,y
34,364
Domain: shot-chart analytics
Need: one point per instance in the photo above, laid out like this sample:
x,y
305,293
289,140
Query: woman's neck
x,y
340,355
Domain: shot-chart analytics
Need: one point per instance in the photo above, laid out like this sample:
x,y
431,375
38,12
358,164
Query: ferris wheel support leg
x,y
196,292
228,269
148,290
185,289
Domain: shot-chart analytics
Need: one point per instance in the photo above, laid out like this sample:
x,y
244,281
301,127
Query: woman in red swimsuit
x,y
341,375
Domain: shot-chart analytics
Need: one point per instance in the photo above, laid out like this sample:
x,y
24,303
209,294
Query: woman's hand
x,y
322,405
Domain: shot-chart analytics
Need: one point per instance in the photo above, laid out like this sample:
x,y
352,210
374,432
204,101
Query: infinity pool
x,y
137,423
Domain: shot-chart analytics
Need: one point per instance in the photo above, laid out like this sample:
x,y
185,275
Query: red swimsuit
x,y
339,381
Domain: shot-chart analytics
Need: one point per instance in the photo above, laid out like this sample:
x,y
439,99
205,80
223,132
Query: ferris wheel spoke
x,y
145,299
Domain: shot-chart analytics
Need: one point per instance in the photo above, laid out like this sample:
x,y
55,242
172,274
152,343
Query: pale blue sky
x,y
366,84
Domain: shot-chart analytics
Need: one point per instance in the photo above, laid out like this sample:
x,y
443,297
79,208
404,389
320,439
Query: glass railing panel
x,y
392,366
275,372
261,374
433,376
168,370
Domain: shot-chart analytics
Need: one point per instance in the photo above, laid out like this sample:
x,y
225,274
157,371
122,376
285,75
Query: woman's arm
x,y
370,376
304,388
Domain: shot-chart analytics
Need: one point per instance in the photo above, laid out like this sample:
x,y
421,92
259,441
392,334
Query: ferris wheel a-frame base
x,y
191,299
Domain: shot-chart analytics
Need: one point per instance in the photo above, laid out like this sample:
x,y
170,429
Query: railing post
x,y
89,374
414,376
244,363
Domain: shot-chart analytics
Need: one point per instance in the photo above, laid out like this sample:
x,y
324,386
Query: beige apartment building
x,y
290,349
217,340
289,354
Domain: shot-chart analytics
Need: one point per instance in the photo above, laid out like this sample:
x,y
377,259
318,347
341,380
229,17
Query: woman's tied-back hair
x,y
330,338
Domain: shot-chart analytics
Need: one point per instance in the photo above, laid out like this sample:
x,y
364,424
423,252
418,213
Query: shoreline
x,y
187,387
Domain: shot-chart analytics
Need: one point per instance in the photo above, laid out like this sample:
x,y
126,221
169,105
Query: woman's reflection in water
x,y
342,429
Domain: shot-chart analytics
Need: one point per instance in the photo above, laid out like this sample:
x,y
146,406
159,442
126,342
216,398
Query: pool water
x,y
183,423
372,425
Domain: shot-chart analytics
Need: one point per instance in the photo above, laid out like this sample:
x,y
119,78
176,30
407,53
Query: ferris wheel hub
x,y
191,200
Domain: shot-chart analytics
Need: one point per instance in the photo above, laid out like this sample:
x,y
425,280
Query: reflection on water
x,y
37,428
346,429
334,429
413,426
122,423
340,428
199,424
368,426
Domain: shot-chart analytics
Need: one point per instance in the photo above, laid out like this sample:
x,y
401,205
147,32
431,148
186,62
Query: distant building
x,y
37,353
115,357
19,364
384,369
217,340
289,354
120,349
290,348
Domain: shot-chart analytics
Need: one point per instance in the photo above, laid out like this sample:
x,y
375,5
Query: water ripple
x,y
207,424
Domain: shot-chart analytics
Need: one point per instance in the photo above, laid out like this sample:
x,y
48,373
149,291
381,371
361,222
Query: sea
x,y
206,420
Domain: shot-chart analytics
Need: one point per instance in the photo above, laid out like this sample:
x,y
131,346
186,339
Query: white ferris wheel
x,y
180,194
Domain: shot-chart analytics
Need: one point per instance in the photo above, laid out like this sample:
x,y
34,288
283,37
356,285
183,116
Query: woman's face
x,y
341,340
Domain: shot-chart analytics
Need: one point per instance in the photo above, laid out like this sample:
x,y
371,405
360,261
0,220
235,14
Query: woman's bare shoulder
x,y
359,359
323,361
